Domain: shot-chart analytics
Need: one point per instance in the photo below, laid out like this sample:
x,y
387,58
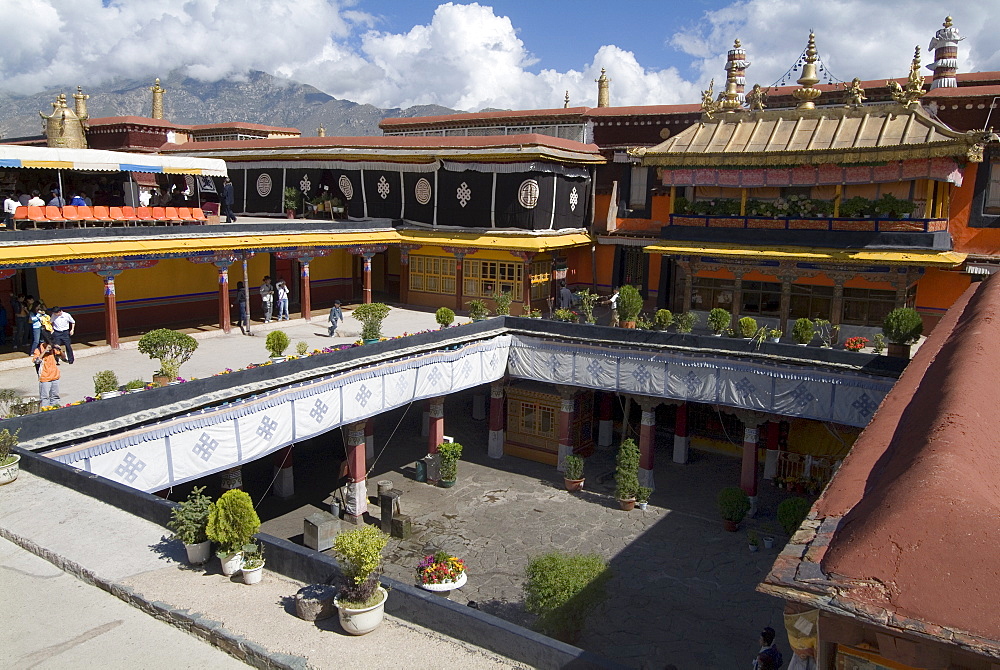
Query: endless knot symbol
x,y
305,184
130,468
464,194
363,396
527,193
574,199
642,375
554,364
319,410
745,387
264,185
691,381
595,368
267,427
402,386
435,376
466,370
802,396
513,359
422,191
864,405
345,186
205,447
383,187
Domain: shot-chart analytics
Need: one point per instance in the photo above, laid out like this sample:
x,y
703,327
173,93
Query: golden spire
x,y
80,104
729,100
807,94
566,100
603,97
62,127
321,132
947,21
158,92
909,96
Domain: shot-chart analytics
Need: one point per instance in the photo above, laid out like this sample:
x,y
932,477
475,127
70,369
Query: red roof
x,y
135,121
239,125
473,117
643,110
964,92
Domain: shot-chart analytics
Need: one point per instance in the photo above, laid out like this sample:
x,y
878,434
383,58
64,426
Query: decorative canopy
x,y
95,160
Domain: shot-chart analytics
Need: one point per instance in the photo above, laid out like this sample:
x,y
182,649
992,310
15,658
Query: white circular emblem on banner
x,y
422,191
527,194
264,185
345,186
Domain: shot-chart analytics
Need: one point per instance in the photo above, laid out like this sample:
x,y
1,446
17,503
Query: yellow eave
x,y
536,242
814,255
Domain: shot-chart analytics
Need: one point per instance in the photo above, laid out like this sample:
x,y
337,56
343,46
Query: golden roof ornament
x,y
603,96
321,132
80,104
730,99
914,89
855,94
158,92
566,100
708,104
807,94
62,127
756,98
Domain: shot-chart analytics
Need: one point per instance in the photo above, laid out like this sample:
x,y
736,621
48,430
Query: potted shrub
x,y
449,453
9,463
441,573
478,310
276,343
686,322
663,319
253,563
878,343
371,316
445,316
172,349
718,320
360,598
627,474
188,520
562,589
503,300
232,523
748,326
134,386
534,314
566,315
902,327
826,331
856,343
573,475
803,331
587,301
302,348
106,384
733,506
291,201
791,513
642,496
774,335
856,208
336,207
753,540
629,305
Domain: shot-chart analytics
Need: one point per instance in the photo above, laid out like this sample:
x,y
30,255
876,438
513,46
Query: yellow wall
x,y
337,265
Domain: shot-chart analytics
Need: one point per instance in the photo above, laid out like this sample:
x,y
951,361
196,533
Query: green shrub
x,y
719,319
302,348
663,319
371,316
232,521
134,385
642,495
562,589
857,207
503,301
567,315
903,325
478,310
748,326
190,518
627,470
792,512
292,198
733,504
105,381
629,303
574,467
276,343
7,443
359,553
445,316
173,349
686,322
450,453
803,331
587,301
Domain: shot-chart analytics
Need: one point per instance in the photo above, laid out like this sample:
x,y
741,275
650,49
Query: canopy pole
x,y
197,186
62,194
133,191
246,291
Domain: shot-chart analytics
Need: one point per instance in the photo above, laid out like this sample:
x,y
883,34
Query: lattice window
x,y
432,274
992,205
484,279
535,419
541,279
867,307
633,264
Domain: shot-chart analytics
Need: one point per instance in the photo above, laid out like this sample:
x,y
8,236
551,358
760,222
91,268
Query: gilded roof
x,y
813,137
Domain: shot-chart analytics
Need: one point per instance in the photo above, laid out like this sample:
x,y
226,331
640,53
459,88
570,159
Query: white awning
x,y
97,160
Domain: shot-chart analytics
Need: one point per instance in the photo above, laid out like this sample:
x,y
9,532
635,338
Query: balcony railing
x,y
830,224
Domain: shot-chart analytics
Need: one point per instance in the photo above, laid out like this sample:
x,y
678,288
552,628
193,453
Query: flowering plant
x,y
439,568
855,343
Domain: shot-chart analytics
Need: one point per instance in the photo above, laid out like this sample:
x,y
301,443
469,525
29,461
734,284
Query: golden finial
x,y
807,94
708,104
603,96
947,22
80,103
855,94
566,100
158,92
321,132
756,98
909,96
62,128
736,44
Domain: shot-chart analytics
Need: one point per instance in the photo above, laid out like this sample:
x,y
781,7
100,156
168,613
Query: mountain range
x,y
257,97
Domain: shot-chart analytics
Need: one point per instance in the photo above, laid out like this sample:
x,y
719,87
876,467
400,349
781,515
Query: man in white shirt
x,y
144,197
10,206
63,326
36,200
267,297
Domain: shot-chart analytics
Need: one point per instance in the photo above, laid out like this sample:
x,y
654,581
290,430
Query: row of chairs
x,y
60,217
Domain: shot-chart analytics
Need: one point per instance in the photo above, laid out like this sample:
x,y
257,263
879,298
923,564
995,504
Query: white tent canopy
x,y
96,160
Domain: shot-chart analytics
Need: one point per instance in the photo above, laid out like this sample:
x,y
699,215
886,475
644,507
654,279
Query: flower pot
x,y
446,586
199,553
627,503
628,324
231,563
361,621
753,548
730,526
161,380
776,340
278,359
716,334
642,505
446,483
8,473
253,575
371,341
768,541
289,213
110,394
899,350
573,485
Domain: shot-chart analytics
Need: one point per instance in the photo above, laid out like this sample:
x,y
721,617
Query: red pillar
x,y
647,438
370,439
459,281
435,436
566,409
357,494
367,276
225,321
305,299
771,434
284,480
496,427
110,310
748,473
605,417
681,443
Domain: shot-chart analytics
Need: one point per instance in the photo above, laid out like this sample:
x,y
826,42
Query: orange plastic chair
x,y
116,215
53,215
85,215
36,214
129,214
71,214
144,215
172,216
184,214
101,215
21,216
198,214
160,215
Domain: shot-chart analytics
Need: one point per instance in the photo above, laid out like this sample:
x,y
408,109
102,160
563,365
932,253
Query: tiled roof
x,y
240,125
135,120
481,117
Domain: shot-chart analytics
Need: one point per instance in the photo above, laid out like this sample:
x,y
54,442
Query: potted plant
x,y
360,599
768,539
478,310
587,301
562,589
642,496
902,327
733,506
232,522
291,201
803,331
336,206
172,349
449,453
106,384
9,463
791,513
856,208
445,316
253,563
686,322
371,316
134,386
663,319
748,326
856,343
627,474
188,520
441,573
629,305
774,335
503,300
532,313
827,332
718,320
878,343
573,475
301,348
276,343
566,315
753,539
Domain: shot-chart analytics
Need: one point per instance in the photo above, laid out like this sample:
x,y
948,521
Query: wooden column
x,y
605,419
566,409
737,300
527,257
357,493
459,280
786,306
305,289
496,425
647,440
748,472
771,431
284,480
681,444
837,304
110,308
366,276
225,321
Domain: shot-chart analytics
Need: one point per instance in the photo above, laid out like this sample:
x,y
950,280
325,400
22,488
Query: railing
x,y
806,469
792,223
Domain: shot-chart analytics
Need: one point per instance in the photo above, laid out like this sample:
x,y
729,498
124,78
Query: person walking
x,y
281,288
228,200
241,301
768,658
267,297
336,316
63,326
36,325
565,297
46,363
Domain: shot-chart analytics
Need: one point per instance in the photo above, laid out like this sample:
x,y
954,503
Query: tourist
x,y
57,200
612,300
144,197
36,312
63,325
267,297
20,313
768,658
23,198
227,201
36,199
282,289
47,366
241,301
565,297
336,316
77,200
10,206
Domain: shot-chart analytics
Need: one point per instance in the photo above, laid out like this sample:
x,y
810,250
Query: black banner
x,y
464,198
383,193
418,197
